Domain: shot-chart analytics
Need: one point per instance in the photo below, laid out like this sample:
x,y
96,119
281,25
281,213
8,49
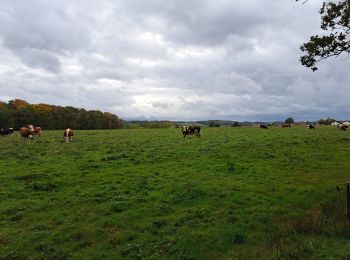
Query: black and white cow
x,y
191,130
311,127
6,131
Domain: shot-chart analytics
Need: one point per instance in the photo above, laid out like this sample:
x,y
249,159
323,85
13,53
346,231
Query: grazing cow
x,y
190,130
6,131
342,127
26,133
263,126
37,131
310,127
286,125
68,135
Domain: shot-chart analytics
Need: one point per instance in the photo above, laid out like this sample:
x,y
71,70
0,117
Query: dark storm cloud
x,y
156,59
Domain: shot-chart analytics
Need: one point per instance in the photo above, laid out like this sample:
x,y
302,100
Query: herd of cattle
x,y
28,132
342,126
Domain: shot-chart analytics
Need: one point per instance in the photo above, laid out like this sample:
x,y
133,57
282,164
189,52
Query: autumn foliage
x,y
17,113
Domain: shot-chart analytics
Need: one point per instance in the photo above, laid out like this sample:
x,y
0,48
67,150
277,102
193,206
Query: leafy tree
x,y
43,116
327,121
335,19
214,124
83,119
17,113
289,120
5,119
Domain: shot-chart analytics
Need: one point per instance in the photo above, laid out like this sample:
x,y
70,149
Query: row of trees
x,y
150,124
17,113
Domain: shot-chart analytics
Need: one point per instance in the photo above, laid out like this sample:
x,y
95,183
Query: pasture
x,y
148,193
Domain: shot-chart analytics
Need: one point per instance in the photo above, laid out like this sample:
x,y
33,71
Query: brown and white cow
x,y
38,131
26,133
190,130
68,135
286,125
342,127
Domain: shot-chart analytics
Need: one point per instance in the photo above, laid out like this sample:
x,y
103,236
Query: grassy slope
x,y
149,193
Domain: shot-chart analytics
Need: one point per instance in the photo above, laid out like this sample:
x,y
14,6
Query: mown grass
x,y
234,193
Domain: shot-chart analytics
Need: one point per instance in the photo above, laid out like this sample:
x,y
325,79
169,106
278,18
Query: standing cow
x,y
342,127
6,131
286,125
68,135
263,126
26,133
37,131
190,130
311,127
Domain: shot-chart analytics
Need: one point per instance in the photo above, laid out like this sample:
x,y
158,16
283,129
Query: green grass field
x,y
233,193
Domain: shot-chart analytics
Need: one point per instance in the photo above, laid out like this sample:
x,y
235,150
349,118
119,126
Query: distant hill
x,y
17,113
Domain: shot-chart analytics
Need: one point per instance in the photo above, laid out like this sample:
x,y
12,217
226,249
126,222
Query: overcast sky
x,y
175,60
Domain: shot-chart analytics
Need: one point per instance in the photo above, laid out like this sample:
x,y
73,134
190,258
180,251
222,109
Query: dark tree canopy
x,y
289,120
335,20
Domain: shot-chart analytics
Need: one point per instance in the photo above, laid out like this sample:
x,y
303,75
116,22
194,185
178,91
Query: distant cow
x,y
286,125
190,130
37,131
263,126
26,133
68,135
6,131
342,127
310,127
335,123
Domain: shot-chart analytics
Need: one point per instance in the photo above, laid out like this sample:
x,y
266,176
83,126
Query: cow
x,y
6,131
263,126
335,124
26,133
190,130
68,135
342,127
286,125
311,127
37,131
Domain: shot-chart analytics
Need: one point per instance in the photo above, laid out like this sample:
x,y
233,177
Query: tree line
x,y
17,113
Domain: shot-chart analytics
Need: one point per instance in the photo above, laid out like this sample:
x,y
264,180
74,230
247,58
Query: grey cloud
x,y
38,31
157,59
40,59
